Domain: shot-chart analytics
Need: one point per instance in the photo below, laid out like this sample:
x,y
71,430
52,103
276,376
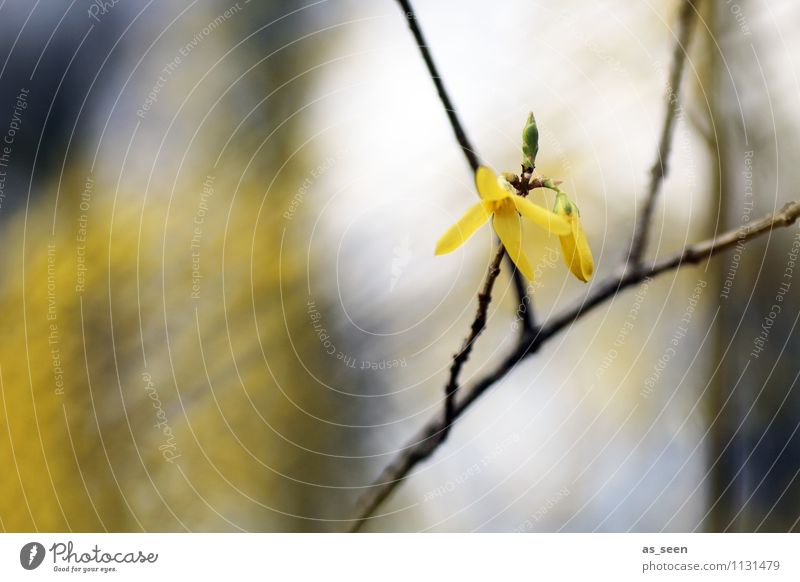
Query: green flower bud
x,y
530,142
563,206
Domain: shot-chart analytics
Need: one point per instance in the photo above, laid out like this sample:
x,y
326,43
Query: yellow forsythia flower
x,y
499,199
577,253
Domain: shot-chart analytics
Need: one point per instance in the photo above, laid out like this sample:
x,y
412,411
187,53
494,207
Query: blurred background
x,y
220,306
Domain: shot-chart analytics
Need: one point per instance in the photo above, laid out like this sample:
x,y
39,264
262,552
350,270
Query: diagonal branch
x,y
428,439
470,153
458,129
659,170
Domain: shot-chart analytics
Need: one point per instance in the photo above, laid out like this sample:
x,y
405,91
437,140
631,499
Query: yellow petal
x,y
456,235
577,253
508,226
541,216
489,186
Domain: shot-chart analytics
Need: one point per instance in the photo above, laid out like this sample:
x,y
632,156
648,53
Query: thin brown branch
x,y
525,301
428,439
455,122
659,170
478,325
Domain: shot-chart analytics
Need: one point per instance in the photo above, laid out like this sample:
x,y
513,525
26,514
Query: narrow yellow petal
x,y
541,216
508,226
577,253
584,250
456,235
488,185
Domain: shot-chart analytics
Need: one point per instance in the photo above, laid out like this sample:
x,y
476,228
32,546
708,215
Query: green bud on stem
x,y
530,142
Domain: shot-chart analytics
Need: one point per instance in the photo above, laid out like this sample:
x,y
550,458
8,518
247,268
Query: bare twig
x,y
427,440
525,306
458,129
478,325
470,153
659,170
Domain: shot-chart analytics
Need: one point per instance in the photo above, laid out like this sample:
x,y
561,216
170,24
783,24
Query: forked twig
x,y
478,325
427,440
